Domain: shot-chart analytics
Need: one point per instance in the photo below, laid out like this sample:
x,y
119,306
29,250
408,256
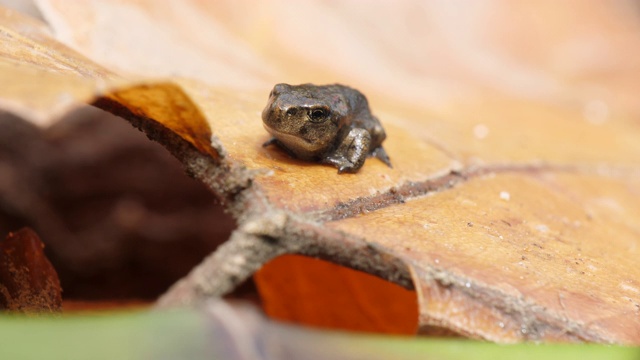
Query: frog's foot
x,y
276,142
381,155
350,168
340,162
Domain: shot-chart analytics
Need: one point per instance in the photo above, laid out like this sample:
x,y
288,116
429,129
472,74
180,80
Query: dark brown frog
x,y
331,124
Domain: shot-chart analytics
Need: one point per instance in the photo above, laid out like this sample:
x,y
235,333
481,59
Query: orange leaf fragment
x,y
318,293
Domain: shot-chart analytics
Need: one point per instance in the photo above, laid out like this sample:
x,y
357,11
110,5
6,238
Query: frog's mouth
x,y
297,144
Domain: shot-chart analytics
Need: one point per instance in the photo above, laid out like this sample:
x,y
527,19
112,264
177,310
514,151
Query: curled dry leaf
x,y
512,204
42,78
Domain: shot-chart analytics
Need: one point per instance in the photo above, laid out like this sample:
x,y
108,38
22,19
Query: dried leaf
x,y
511,207
43,79
28,281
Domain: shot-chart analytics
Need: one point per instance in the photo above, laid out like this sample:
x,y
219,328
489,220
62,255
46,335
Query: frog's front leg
x,y
351,153
274,141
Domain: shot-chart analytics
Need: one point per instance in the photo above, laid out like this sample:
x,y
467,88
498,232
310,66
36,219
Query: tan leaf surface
x,y
512,128
32,60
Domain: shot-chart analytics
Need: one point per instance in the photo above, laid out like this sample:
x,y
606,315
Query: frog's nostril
x,y
291,111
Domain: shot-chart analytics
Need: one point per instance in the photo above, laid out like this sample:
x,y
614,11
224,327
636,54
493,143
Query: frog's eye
x,y
318,115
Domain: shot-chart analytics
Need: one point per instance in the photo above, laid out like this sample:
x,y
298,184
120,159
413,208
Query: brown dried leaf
x,y
28,281
511,207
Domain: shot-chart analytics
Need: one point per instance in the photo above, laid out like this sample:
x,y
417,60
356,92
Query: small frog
x,y
331,124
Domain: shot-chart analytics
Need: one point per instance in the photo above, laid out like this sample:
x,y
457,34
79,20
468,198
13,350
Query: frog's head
x,y
306,119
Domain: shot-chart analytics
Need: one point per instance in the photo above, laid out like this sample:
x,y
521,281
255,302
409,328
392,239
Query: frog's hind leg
x,y
351,153
381,155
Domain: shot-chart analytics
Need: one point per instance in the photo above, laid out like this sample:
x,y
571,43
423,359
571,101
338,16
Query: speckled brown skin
x,y
331,124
